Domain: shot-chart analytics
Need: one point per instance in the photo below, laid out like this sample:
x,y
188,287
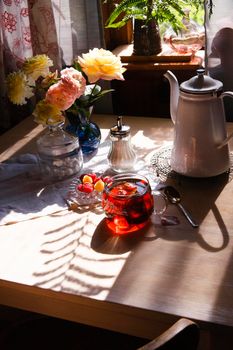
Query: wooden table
x,y
66,265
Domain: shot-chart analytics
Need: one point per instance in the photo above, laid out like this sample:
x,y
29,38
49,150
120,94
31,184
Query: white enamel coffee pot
x,y
200,146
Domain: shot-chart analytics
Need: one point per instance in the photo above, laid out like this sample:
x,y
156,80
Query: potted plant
x,y
147,16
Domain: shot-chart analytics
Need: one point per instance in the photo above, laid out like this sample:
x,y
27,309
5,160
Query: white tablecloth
x,y
24,195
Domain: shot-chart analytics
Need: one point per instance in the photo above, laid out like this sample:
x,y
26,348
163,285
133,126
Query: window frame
x,y
115,37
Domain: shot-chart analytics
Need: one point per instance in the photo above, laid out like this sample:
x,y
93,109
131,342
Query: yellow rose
x,y
47,114
18,89
101,64
37,66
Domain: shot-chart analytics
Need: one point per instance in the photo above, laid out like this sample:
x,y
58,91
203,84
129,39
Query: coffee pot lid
x,y
201,84
120,129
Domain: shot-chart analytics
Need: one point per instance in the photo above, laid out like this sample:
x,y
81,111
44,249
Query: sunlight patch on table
x,y
18,145
92,273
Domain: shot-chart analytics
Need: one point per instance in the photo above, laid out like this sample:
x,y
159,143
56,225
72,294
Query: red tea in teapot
x,y
128,203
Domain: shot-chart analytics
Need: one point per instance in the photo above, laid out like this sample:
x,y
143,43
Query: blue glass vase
x,y
87,131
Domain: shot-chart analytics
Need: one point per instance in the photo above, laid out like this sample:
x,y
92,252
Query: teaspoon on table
x,y
174,197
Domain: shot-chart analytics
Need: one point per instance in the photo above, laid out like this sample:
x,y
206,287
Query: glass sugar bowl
x,y
121,156
60,154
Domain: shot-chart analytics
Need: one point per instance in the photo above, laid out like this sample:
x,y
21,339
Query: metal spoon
x,y
174,197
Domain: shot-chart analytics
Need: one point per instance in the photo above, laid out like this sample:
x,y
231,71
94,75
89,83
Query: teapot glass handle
x,y
160,202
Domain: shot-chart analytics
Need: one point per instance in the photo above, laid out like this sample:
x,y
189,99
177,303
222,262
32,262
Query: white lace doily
x,y
160,164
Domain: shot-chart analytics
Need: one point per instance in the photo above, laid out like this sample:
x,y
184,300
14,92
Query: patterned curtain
x,y
219,48
61,29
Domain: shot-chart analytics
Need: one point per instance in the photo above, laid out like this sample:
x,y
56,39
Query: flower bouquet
x,y
70,93
62,97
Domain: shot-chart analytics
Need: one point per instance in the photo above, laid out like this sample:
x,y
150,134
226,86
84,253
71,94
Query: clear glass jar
x,y
60,154
121,156
187,40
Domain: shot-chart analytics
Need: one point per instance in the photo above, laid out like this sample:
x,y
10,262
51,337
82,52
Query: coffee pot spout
x,y
174,94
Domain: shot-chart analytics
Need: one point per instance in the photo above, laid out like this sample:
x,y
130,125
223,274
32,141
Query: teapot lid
x,y
201,84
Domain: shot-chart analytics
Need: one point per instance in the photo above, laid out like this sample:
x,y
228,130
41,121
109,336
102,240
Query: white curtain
x,y
219,48
78,26
62,29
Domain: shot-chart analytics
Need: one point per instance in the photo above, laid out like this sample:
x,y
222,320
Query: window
x,y
144,92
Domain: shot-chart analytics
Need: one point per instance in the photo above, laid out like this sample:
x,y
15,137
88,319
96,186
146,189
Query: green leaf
x,y
126,6
170,11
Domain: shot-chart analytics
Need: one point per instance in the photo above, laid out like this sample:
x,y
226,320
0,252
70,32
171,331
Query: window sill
x,y
165,60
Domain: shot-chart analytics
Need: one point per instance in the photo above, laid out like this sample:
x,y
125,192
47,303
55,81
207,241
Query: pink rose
x,y
62,94
76,77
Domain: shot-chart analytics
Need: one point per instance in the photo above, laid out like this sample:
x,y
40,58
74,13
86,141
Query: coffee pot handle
x,y
226,94
227,139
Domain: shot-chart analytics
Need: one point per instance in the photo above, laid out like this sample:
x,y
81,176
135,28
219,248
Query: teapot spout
x,y
174,94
